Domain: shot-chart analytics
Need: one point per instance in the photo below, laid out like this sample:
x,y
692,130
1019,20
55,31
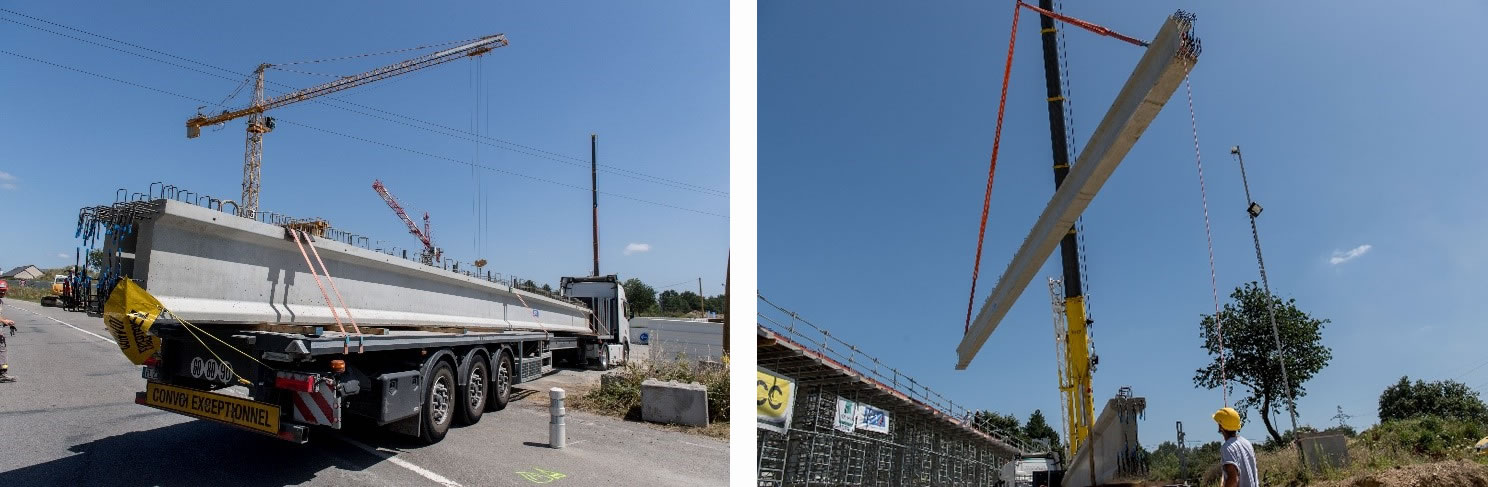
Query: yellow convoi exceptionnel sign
x,y
128,314
217,407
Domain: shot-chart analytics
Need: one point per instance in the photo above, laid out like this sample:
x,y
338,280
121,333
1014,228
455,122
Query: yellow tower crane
x,y
259,124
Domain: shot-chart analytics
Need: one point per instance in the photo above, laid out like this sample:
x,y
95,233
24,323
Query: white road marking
x,y
714,448
392,457
110,340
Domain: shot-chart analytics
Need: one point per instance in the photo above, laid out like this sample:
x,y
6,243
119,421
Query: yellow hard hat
x,y
1228,419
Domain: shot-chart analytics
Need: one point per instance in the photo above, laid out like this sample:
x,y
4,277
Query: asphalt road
x,y
71,420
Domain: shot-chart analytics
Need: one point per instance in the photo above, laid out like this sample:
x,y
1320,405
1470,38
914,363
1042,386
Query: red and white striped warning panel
x,y
321,406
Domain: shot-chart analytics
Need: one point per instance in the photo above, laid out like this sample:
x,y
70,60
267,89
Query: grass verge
x,y
619,394
31,294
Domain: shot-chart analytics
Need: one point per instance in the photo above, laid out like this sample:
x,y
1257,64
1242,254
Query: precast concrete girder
x,y
210,266
1167,61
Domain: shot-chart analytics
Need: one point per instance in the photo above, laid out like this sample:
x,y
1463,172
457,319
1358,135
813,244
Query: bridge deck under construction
x,y
923,446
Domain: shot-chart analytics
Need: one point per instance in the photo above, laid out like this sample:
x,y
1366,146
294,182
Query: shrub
x,y
620,394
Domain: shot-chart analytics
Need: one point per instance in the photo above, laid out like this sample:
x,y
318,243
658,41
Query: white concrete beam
x,y
210,266
1112,447
1168,59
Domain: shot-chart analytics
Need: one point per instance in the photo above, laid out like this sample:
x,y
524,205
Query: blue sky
x,y
651,78
1361,127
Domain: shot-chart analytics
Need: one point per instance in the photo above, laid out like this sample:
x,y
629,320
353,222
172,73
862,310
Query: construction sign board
x,y
775,396
128,313
873,419
848,414
216,407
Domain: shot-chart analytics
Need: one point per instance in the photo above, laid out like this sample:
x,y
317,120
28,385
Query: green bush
x,y
621,395
1430,436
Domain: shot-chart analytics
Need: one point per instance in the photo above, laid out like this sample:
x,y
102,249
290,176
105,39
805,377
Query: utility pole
x,y
727,279
594,191
1182,454
702,303
1254,210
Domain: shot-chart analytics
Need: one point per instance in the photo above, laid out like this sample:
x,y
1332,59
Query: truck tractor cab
x,y
605,297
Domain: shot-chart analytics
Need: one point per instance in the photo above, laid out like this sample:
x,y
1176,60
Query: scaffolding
x,y
930,440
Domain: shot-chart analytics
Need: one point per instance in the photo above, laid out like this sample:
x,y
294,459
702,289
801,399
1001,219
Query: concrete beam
x,y
1112,448
211,266
1168,59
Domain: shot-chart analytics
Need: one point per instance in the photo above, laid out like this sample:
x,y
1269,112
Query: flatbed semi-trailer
x,y
421,347
418,383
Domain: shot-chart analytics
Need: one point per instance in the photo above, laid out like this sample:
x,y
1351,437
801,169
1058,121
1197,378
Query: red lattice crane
x,y
430,255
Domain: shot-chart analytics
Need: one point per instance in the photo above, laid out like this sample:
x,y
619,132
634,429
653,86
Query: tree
x,y
1250,357
1000,425
1450,399
716,304
669,301
1038,429
641,296
95,260
690,301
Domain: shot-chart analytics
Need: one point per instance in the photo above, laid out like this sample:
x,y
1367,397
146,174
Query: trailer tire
x,y
438,410
603,361
473,395
501,382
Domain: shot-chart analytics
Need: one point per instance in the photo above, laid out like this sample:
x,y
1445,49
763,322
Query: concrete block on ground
x,y
674,402
1325,449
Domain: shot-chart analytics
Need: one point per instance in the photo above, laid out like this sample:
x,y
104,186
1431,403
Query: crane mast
x,y
1072,339
260,124
429,254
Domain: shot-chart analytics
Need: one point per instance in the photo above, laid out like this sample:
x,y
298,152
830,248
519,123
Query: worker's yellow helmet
x,y
1228,419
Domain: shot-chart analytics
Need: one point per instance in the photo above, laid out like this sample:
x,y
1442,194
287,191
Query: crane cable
x,y
1007,71
1085,25
1213,280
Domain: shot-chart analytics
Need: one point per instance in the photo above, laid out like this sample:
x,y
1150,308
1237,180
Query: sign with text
x,y
774,397
128,314
847,415
873,419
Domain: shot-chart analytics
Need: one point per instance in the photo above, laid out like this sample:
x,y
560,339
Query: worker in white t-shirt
x,y
1236,456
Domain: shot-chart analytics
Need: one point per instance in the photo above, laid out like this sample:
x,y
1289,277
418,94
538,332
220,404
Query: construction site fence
x,y
793,326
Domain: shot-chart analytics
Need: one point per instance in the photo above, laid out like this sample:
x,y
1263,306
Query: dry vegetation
x,y
1424,451
620,395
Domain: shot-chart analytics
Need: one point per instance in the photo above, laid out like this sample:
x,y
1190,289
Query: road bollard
x,y
556,427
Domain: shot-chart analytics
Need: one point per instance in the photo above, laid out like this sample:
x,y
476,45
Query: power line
x,y
110,78
238,75
384,144
668,286
503,171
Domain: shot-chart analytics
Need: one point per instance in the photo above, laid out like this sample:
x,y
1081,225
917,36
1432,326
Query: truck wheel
x,y
473,396
501,382
603,362
439,407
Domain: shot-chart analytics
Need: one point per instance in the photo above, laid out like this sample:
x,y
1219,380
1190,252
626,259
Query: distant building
x,y
25,272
